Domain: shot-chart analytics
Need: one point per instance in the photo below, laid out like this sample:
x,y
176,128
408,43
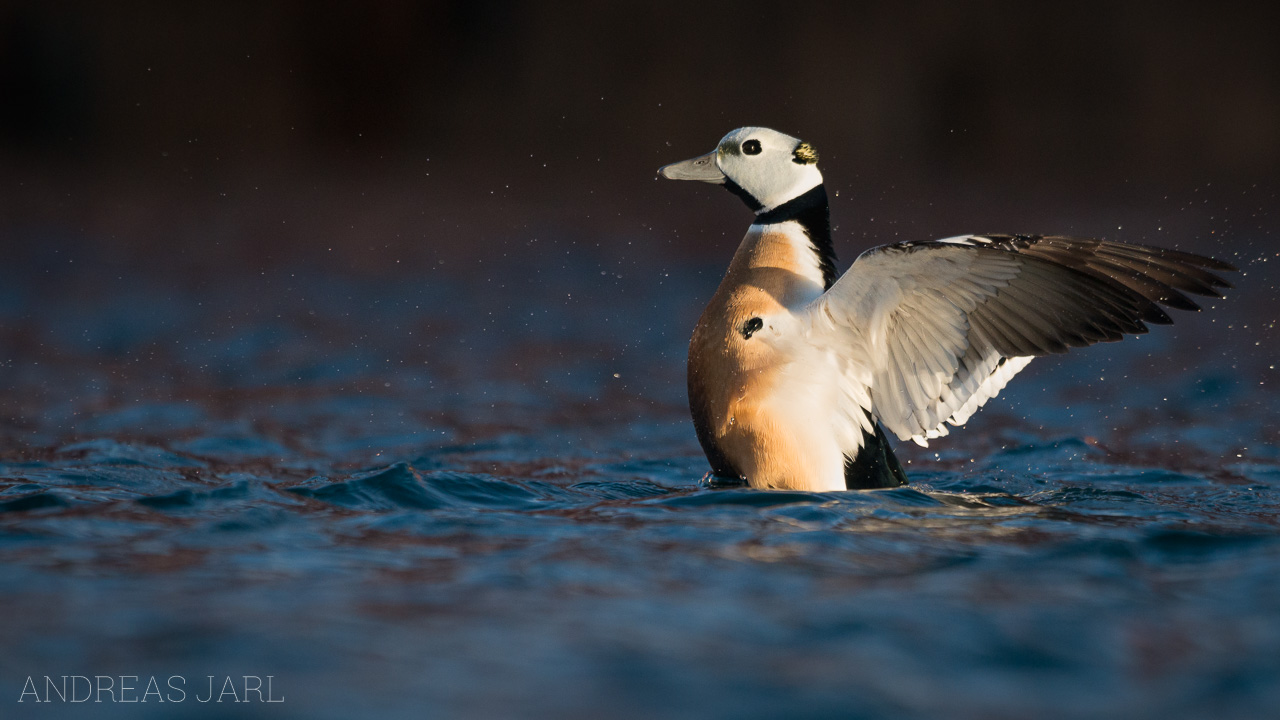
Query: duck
x,y
797,374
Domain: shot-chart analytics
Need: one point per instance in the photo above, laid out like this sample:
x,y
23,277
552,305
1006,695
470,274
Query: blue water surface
x,y
421,496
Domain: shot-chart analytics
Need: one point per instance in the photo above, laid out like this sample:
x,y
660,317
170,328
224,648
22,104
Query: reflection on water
x,y
414,498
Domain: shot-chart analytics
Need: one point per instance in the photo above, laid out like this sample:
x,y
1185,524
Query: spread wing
x,y
936,329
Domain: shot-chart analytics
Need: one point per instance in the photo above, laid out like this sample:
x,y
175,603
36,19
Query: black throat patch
x,y
814,215
742,195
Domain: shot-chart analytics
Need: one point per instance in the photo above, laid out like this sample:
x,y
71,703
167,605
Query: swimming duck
x,y
796,372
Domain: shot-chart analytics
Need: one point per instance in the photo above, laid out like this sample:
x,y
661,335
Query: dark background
x,y
242,133
298,194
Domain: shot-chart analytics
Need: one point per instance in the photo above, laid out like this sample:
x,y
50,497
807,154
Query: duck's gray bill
x,y
702,168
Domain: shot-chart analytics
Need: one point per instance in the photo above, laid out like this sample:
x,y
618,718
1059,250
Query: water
x,y
476,493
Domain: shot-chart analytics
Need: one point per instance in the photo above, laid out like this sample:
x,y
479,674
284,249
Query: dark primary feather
x,y
1074,292
1132,265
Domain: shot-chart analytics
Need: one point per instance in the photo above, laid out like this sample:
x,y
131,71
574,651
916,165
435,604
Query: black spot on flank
x,y
751,147
750,327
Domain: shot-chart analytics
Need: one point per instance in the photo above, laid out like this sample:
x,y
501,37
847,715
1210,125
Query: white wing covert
x,y
938,328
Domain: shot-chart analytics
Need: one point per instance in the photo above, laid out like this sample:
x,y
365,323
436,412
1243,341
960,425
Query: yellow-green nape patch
x,y
805,154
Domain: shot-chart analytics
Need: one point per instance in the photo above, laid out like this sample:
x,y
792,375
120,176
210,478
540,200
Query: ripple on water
x,y
403,487
33,501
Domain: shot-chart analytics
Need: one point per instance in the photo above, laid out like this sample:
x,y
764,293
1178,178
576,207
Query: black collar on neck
x,y
814,198
812,212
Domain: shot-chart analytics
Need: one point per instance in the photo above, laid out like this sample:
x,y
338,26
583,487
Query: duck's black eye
x,y
750,327
751,147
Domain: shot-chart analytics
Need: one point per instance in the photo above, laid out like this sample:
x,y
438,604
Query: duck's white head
x,y
764,167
